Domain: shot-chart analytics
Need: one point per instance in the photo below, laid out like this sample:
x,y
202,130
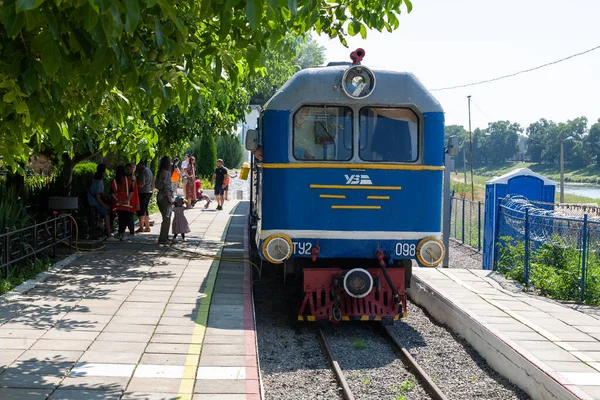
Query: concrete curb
x,y
505,356
26,286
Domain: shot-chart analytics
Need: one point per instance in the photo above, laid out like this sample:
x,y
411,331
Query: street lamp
x,y
562,168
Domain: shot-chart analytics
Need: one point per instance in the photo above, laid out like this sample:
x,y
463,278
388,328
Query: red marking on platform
x,y
252,382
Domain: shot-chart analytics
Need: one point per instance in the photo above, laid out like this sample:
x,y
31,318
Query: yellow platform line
x,y
364,187
356,207
332,196
378,197
192,360
405,167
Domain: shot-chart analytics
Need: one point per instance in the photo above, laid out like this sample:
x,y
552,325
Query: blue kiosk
x,y
522,182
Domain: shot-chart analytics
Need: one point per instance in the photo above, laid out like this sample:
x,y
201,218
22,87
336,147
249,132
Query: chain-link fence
x,y
466,223
549,248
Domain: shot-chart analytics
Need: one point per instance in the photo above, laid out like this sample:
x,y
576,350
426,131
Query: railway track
x,y
428,384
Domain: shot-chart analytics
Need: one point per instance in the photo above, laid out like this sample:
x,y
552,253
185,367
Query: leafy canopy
x,y
109,69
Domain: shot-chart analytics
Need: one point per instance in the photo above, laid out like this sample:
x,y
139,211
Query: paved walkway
x,y
139,321
562,344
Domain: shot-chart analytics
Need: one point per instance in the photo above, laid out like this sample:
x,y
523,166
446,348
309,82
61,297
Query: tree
x,y
71,69
230,150
205,151
309,53
463,140
592,143
537,134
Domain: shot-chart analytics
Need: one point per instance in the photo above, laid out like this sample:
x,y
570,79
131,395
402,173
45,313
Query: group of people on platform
x,y
131,191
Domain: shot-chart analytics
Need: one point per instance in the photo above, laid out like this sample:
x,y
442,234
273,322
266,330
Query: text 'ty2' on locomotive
x,y
348,188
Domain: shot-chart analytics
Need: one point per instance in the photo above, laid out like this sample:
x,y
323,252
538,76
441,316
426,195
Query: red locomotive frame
x,y
324,294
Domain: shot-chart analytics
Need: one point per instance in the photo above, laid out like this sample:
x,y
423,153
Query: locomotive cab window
x,y
323,133
388,135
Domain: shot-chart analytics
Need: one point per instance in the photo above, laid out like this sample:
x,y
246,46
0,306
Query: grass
x,y
464,190
22,273
359,344
407,385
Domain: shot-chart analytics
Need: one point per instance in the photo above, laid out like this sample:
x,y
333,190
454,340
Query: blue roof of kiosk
x,y
520,172
323,85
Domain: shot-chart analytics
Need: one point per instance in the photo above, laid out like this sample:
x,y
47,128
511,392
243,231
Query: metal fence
x,y
550,249
466,222
27,244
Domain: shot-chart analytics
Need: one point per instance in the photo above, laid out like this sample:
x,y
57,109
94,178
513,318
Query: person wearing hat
x,y
218,180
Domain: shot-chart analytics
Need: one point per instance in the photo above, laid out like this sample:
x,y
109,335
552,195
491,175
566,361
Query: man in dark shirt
x,y
218,180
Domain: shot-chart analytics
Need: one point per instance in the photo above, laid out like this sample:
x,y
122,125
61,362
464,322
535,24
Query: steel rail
x,y
429,385
337,370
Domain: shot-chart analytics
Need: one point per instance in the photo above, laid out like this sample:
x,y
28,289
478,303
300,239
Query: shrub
x,y
205,151
230,150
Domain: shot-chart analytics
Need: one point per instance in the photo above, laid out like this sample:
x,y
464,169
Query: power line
x,y
519,72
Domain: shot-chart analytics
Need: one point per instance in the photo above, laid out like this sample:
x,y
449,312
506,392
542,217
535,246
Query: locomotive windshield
x,y
323,133
388,134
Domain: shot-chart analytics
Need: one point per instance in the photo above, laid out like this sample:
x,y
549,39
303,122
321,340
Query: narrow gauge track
x,y
430,387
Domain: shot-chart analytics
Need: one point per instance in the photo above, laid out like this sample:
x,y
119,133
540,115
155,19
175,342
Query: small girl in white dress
x,y
180,223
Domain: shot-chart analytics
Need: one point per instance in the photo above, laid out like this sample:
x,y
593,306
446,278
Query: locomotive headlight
x,y
430,252
358,82
277,248
358,282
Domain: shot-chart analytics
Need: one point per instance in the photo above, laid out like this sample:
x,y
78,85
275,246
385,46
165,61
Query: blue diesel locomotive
x,y
348,187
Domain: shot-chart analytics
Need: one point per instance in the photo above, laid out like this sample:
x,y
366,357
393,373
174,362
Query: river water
x,y
592,191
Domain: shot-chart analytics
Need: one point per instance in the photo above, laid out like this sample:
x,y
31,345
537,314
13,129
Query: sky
x,y
453,42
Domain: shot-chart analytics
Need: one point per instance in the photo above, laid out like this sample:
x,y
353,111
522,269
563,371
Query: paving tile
x,y
16,344
159,371
131,347
138,320
221,373
107,357
40,367
223,350
99,369
82,394
198,396
222,361
24,394
124,337
161,385
128,328
562,366
583,378
150,396
30,381
21,333
60,345
215,339
175,329
8,356
50,355
171,338
217,386
57,334
528,335
168,348
593,391
115,383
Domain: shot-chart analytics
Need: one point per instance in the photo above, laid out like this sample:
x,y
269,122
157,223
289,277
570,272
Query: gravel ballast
x,y
370,365
458,370
292,363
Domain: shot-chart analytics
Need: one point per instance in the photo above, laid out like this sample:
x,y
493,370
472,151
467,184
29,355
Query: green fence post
x,y
583,257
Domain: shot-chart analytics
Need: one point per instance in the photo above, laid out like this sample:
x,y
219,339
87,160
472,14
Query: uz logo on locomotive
x,y
358,180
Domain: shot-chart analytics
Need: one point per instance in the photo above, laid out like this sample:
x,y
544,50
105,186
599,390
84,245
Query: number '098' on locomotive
x,y
347,189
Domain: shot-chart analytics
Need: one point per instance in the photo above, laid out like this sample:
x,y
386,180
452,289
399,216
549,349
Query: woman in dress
x,y
190,189
164,198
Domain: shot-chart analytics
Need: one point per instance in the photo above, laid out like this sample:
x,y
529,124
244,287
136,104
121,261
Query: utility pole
x,y
464,161
471,151
562,171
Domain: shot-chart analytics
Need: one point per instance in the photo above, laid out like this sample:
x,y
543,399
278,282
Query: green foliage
x,y
86,77
205,151
555,269
407,385
230,150
359,344
13,214
22,273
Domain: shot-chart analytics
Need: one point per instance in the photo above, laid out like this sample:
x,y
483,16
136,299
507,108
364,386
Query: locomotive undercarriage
x,y
323,294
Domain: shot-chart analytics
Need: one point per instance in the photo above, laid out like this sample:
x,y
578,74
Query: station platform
x,y
140,321
549,350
